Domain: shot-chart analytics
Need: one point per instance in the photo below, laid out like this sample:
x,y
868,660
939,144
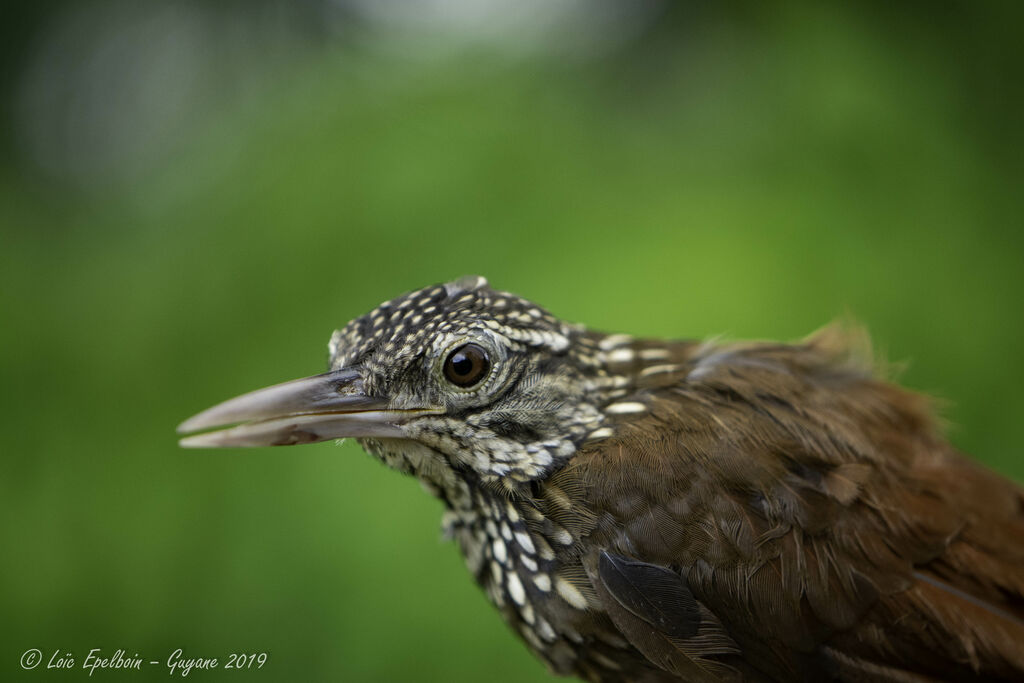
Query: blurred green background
x,y
192,197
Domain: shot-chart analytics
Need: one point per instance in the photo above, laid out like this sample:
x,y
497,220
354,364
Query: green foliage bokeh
x,y
756,181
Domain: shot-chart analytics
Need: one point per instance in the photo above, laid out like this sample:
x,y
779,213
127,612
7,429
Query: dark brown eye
x,y
466,365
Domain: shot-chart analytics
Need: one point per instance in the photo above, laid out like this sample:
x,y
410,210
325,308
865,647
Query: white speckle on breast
x,y
500,553
523,539
515,589
545,631
527,614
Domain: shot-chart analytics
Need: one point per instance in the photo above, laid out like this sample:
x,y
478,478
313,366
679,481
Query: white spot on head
x,y
463,284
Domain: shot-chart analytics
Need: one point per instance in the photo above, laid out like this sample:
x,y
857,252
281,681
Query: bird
x,y
648,510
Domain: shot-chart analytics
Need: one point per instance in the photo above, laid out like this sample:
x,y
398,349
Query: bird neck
x,y
619,365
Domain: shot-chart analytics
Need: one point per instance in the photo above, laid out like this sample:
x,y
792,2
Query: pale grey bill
x,y
327,406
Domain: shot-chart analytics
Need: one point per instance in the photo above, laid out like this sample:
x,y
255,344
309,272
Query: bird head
x,y
458,376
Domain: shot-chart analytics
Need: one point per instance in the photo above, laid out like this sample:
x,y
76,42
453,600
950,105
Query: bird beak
x,y
318,408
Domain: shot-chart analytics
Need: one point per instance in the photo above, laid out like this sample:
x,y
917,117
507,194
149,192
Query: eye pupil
x,y
466,365
462,365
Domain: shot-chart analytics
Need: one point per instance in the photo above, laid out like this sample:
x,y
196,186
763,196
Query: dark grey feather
x,y
655,594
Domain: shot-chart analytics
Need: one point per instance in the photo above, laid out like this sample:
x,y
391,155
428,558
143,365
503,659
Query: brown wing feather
x,y
819,516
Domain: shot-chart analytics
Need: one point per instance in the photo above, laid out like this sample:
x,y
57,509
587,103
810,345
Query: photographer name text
x,y
178,663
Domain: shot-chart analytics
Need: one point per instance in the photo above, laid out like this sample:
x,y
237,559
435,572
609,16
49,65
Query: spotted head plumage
x,y
501,373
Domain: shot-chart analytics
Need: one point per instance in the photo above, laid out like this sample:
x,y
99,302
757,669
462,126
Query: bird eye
x,y
466,365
